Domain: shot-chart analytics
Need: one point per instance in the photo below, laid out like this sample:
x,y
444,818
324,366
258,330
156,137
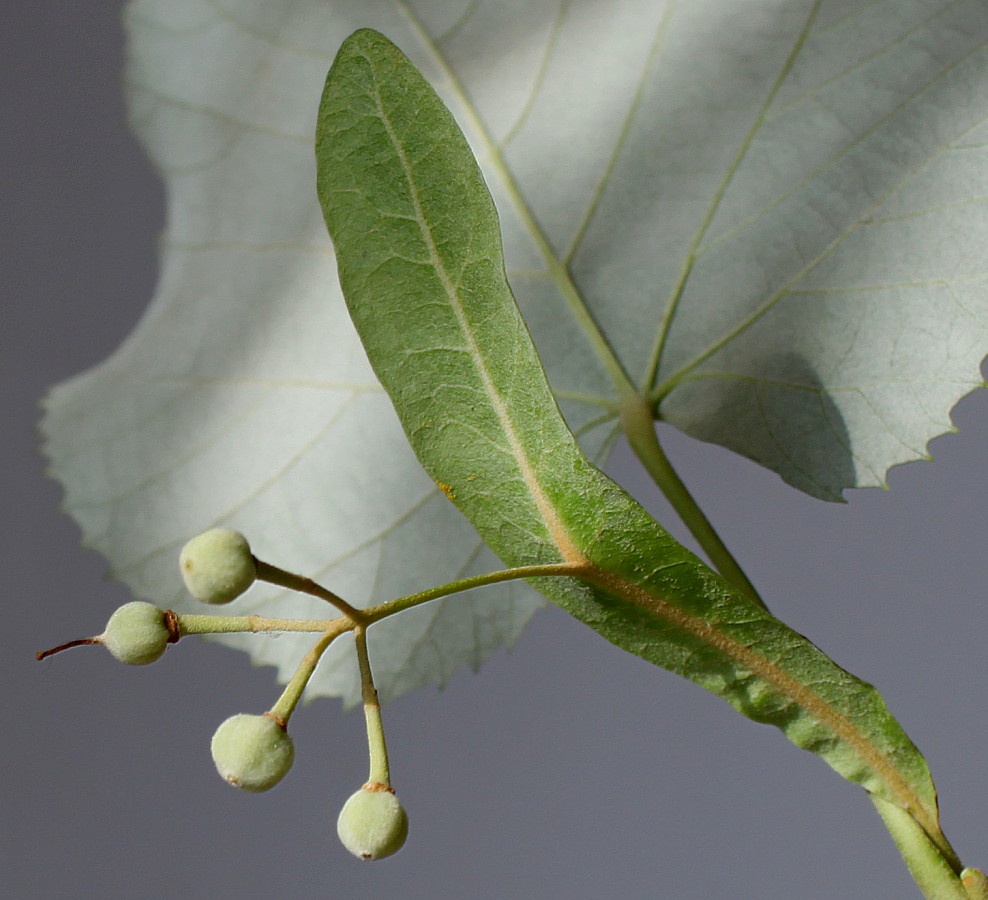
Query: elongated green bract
x,y
420,262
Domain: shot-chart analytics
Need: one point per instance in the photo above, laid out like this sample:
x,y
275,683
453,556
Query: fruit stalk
x,y
380,773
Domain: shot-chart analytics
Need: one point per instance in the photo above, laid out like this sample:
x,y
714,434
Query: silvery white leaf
x,y
768,215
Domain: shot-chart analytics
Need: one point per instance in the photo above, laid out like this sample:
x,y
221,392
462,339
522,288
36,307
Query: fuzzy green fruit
x,y
136,633
252,752
217,565
372,824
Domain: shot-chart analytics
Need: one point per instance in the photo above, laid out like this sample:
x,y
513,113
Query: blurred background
x,y
566,768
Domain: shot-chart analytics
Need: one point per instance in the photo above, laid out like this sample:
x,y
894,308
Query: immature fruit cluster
x,y
252,752
372,823
136,633
217,565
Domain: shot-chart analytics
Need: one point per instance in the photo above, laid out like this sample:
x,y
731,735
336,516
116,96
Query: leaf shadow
x,y
784,419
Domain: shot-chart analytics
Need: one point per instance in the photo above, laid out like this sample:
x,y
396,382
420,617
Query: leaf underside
x,y
770,216
421,265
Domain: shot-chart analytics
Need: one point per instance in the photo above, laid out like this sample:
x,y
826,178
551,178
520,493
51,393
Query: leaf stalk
x,y
638,423
933,865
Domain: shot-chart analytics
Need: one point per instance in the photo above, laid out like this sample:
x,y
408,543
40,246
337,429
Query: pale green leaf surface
x,y
842,257
420,262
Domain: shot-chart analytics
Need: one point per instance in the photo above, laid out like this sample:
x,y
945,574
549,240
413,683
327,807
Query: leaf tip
x,y
367,39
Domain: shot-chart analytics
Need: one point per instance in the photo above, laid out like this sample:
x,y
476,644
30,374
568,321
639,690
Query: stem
x,y
283,709
357,622
197,623
936,871
206,624
399,604
380,774
274,575
639,426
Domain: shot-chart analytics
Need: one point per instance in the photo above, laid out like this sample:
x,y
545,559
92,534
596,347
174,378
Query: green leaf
x,y
787,199
421,265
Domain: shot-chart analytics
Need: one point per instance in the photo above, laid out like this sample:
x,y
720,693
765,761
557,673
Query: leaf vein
x,y
548,50
564,543
694,250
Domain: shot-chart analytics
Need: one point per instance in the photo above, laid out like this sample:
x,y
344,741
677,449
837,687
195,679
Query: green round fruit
x,y
217,565
372,824
136,633
252,752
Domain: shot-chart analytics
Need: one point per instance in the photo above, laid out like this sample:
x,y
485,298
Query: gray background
x,y
566,768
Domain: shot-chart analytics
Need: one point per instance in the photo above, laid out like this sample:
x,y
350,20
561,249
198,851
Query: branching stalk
x,y
283,709
383,610
274,575
330,629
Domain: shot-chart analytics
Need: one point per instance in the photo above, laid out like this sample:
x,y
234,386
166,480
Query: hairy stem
x,y
380,774
194,623
274,575
383,610
283,709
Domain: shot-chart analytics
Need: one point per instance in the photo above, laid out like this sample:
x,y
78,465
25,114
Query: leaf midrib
x,y
785,684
